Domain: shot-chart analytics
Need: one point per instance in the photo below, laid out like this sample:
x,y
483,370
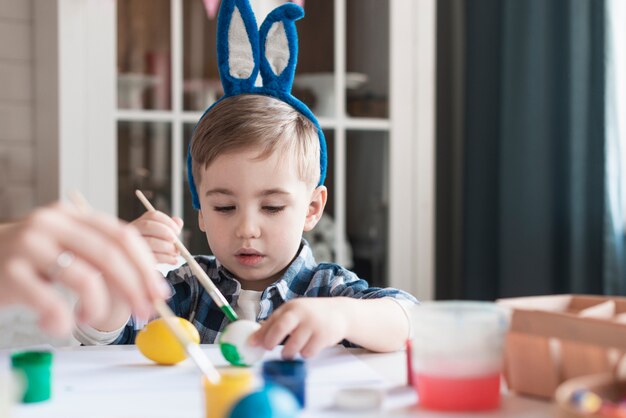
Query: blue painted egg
x,y
272,401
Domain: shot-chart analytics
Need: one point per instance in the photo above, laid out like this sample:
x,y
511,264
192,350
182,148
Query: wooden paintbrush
x,y
204,280
191,348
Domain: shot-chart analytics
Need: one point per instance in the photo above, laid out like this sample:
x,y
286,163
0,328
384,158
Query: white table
x,y
116,381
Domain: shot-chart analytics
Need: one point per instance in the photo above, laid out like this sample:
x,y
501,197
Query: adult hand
x,y
91,253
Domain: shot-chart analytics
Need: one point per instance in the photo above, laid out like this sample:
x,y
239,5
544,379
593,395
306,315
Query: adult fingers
x,y
136,250
61,266
88,283
31,289
112,248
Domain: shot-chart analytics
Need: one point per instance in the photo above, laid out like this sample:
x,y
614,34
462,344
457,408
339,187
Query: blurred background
x,y
475,146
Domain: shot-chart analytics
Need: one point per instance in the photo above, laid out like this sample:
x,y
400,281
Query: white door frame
x,y
412,176
75,94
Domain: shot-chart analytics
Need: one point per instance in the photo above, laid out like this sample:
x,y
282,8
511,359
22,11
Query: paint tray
x,y
555,338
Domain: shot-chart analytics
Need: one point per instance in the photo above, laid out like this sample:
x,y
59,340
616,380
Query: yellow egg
x,y
158,343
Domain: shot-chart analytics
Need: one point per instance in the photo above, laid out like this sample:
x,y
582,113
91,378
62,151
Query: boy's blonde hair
x,y
255,121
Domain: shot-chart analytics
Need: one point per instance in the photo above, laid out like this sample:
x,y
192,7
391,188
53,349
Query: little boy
x,y
257,164
256,179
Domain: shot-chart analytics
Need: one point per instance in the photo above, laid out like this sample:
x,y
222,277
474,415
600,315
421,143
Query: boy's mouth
x,y
248,257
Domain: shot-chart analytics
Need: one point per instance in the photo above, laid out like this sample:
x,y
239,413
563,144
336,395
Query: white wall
x,y
18,145
17,178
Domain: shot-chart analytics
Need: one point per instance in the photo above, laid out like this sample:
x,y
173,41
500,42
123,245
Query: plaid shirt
x,y
303,278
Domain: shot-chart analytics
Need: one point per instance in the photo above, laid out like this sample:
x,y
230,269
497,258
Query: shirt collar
x,y
304,260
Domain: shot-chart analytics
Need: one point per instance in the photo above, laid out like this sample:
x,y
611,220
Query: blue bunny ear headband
x,y
243,50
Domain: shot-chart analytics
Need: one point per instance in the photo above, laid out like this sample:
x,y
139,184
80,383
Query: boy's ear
x,y
201,221
316,207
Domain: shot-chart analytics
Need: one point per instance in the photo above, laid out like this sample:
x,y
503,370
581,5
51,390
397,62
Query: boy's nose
x,y
248,228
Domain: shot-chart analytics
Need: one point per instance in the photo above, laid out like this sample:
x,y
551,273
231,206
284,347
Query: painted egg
x,y
234,343
272,401
156,341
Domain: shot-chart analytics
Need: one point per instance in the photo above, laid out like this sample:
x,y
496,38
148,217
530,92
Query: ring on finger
x,y
62,262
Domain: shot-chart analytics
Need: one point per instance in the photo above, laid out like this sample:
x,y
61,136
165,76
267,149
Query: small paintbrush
x,y
191,348
204,280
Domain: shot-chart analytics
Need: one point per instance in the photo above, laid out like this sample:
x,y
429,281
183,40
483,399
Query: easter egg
x,y
234,343
273,401
156,341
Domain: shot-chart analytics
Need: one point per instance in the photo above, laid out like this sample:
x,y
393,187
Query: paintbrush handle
x,y
164,311
191,348
201,274
203,278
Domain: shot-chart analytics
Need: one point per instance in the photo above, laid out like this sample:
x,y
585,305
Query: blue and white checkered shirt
x,y
303,278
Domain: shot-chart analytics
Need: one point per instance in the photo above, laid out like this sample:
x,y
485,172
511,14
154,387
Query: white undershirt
x,y
249,304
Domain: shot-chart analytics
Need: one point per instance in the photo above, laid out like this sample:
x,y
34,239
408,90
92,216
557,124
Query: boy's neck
x,y
257,285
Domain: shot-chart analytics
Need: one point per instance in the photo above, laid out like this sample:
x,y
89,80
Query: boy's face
x,y
254,212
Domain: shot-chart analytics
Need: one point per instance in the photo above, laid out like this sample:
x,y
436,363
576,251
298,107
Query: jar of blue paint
x,y
290,374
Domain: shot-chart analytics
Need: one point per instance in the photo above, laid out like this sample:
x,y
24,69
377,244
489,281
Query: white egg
x,y
234,343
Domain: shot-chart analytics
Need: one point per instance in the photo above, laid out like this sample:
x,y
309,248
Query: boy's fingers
x,y
166,258
296,341
279,329
315,344
257,338
160,246
155,229
163,219
179,222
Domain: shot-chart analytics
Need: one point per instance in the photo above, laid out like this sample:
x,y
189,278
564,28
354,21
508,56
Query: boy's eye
x,y
273,209
223,209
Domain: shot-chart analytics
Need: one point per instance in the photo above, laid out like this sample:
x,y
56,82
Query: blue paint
x,y
290,374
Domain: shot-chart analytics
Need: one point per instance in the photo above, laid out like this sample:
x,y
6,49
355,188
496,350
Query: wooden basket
x,y
555,338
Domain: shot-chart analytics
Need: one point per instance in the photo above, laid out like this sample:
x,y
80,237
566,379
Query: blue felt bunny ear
x,y
279,47
237,46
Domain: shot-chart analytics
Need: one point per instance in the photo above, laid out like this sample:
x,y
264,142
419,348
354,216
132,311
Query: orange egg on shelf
x,y
156,341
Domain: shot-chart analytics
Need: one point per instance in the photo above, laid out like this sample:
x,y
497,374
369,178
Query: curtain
x,y
528,166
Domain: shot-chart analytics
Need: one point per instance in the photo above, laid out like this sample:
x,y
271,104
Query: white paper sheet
x,y
117,381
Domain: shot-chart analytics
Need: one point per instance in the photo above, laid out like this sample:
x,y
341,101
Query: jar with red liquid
x,y
457,354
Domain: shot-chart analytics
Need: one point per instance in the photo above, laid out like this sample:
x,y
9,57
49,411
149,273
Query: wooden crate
x,y
555,338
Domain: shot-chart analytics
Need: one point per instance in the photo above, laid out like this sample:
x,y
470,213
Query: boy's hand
x,y
160,232
310,323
